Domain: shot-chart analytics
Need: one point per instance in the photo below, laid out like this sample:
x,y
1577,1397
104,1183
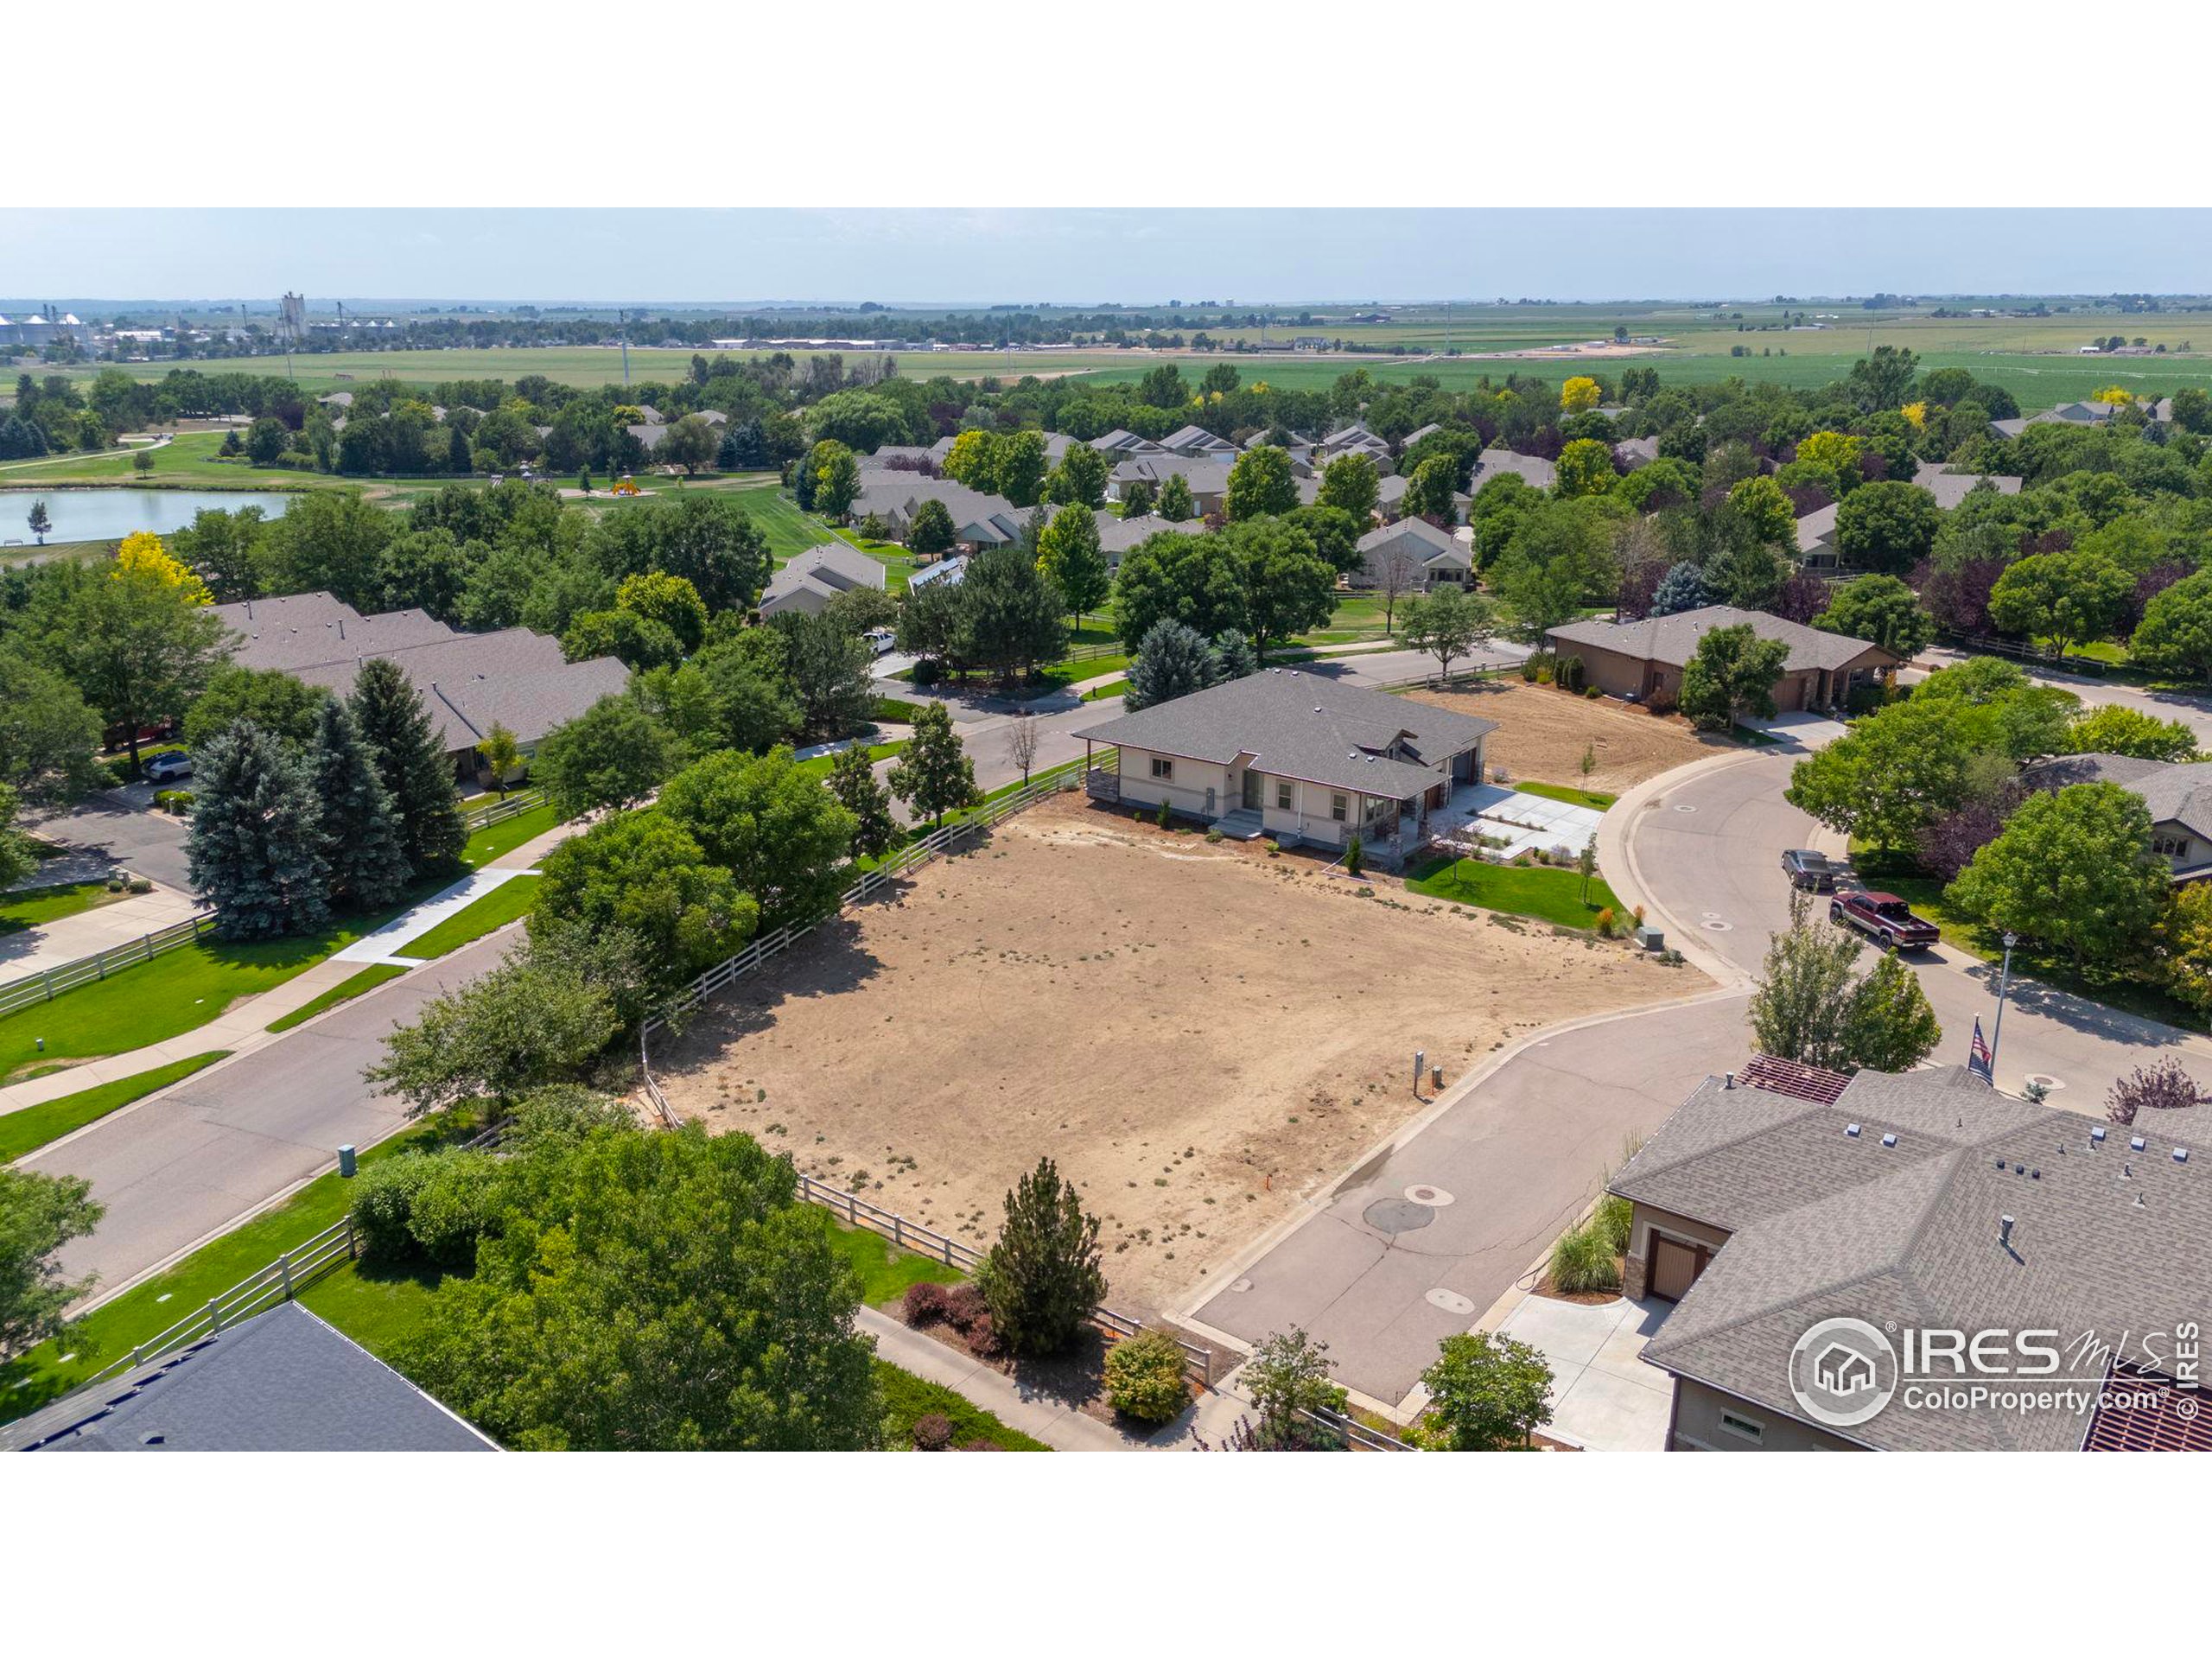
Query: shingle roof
x,y
1205,474
815,578
1429,545
2176,792
1816,527
1116,536
1305,726
1950,488
303,628
1673,639
2105,1239
283,1380
1535,469
1192,440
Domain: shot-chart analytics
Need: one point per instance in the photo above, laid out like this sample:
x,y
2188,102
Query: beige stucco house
x,y
1295,755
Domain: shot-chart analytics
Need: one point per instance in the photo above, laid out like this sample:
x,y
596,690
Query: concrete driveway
x,y
186,1163
129,832
1426,1235
1605,1398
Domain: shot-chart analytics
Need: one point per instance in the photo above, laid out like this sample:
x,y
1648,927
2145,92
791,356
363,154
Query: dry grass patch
x,y
1542,731
1199,1035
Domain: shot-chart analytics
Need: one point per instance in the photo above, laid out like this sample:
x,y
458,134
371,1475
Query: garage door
x,y
1674,1267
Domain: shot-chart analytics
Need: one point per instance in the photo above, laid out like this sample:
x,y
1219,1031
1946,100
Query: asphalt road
x,y
1520,1155
149,842
1708,852
185,1164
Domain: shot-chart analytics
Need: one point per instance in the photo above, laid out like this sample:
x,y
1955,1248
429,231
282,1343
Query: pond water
x,y
109,515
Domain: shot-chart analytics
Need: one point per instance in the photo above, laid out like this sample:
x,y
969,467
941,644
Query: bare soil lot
x,y
1542,731
1200,1035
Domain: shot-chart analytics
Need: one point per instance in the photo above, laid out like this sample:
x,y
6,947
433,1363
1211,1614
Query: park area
x,y
1542,733
1199,1034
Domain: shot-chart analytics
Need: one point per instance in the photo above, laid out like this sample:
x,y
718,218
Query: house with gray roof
x,y
1644,660
468,682
1117,535
1950,488
1118,443
815,578
1816,548
1357,439
1413,555
1293,754
1633,453
283,1380
1533,470
1390,499
2178,794
978,519
1919,1204
1207,475
1196,441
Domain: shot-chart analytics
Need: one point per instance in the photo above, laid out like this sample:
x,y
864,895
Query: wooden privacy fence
x,y
45,987
511,806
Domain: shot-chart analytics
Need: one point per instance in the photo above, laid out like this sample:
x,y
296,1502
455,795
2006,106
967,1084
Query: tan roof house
x,y
1644,660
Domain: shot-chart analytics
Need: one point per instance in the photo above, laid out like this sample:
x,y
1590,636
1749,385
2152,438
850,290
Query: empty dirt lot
x,y
1199,1034
1543,732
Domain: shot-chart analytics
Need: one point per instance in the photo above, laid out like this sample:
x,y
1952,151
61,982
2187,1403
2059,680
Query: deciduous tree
x,y
775,829
1732,671
853,781
1882,611
2073,869
1261,482
933,774
1448,624
614,754
1486,1393
39,1214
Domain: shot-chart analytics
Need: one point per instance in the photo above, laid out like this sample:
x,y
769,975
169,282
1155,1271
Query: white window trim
x,y
1163,769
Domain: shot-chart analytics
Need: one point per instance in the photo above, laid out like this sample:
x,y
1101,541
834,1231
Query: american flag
x,y
1981,1062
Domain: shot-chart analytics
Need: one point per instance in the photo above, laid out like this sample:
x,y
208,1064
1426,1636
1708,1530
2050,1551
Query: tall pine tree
x,y
256,844
360,832
411,762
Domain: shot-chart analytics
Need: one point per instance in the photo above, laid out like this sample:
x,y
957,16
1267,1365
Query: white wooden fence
x,y
510,806
85,971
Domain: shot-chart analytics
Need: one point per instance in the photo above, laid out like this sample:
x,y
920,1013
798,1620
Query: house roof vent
x,y
1890,1139
1850,1129
2135,1143
2181,1155
2097,1135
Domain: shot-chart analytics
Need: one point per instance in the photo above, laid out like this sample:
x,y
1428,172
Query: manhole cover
x,y
1684,807
1435,1197
1717,926
1397,1216
2045,1080
1242,1284
1450,1300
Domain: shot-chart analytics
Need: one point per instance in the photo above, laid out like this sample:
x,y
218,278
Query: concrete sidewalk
x,y
47,945
389,942
1060,1427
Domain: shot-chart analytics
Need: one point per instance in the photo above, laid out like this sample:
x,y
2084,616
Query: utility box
x,y
347,1163
1650,938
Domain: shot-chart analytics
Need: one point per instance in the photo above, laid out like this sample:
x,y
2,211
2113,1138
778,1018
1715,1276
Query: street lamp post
x,y
2004,985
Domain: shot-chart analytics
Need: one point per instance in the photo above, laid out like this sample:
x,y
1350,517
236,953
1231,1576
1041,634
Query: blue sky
x,y
1131,255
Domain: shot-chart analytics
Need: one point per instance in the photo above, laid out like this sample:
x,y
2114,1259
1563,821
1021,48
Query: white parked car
x,y
169,768
881,640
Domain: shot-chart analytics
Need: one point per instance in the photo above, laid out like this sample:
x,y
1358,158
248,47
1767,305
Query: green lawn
x,y
189,459
32,1127
1595,798
1546,894
375,1305
907,1398
1111,689
495,840
508,902
147,1309
820,765
886,1270
30,907
376,974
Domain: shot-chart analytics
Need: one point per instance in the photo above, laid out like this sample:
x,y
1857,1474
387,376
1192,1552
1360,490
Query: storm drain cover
x,y
1719,927
1450,1300
1397,1215
1434,1197
1684,807
2046,1080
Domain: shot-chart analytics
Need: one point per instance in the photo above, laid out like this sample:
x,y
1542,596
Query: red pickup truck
x,y
1883,918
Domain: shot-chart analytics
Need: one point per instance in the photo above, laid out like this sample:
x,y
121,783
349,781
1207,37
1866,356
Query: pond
x,y
109,515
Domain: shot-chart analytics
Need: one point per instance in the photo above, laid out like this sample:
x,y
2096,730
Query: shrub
x,y
932,1432
1592,692
1613,1221
1214,835
1865,699
1354,855
1660,702
1605,921
177,801
1583,1260
1144,1377
925,1305
1566,673
141,884
1165,813
1543,676
928,672
384,1205
454,1206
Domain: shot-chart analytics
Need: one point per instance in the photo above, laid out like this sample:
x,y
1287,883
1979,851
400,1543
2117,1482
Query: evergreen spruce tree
x,y
1233,655
254,845
359,836
411,763
1043,1275
1172,661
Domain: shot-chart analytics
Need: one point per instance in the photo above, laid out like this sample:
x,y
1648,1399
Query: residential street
x,y
189,1162
123,824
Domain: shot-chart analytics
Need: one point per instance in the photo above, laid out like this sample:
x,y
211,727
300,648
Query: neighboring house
x,y
1417,434
1780,1198
470,682
1423,556
947,571
2177,792
1390,499
1118,443
1196,441
648,434
653,417
1116,536
1633,453
1816,548
1645,659
1355,439
1207,475
1534,469
881,460
1950,488
1295,755
978,520
815,578
283,1380
2086,413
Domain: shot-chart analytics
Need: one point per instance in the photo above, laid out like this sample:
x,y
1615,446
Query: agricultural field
x,y
1200,1034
